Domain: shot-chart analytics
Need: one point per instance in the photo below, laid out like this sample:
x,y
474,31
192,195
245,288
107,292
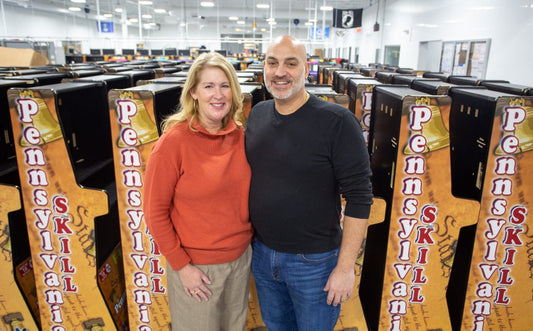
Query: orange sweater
x,y
196,195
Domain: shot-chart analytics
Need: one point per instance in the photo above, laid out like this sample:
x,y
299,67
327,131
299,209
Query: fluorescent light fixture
x,y
272,23
145,2
108,15
146,16
263,5
119,10
78,1
133,20
241,22
424,25
309,23
207,4
326,8
263,29
270,19
150,26
74,8
483,8
237,29
160,11
233,18
183,24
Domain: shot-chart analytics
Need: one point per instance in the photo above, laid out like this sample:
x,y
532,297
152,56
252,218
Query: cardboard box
x,y
21,57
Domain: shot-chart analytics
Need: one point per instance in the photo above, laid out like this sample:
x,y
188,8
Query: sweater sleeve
x,y
352,167
160,180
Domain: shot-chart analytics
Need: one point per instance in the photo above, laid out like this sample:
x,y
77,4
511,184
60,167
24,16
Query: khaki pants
x,y
225,310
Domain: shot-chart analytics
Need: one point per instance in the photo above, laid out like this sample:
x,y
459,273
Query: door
x,y
392,55
429,53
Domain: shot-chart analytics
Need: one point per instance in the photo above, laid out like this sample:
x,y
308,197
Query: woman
x,y
196,201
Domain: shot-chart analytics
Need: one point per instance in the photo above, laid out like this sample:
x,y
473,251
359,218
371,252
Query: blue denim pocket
x,y
320,257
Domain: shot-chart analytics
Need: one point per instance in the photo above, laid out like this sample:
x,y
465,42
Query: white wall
x,y
505,22
508,25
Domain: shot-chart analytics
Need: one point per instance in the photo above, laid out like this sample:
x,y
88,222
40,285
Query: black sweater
x,y
300,163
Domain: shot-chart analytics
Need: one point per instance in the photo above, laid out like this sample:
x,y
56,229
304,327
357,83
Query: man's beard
x,y
296,86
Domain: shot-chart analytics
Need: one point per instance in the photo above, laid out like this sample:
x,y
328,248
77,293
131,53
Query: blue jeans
x,y
290,288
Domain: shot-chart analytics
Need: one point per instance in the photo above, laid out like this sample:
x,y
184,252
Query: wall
x,y
508,24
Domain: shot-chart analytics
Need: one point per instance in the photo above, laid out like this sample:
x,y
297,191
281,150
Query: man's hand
x,y
342,279
340,285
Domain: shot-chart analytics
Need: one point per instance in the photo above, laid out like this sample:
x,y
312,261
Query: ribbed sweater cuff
x,y
357,211
178,258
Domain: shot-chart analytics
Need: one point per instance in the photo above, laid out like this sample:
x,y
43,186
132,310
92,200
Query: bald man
x,y
304,152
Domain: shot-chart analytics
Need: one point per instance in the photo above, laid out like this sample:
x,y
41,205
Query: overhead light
x,y
241,22
148,16
326,8
74,8
133,20
150,26
145,2
483,8
108,15
308,23
263,29
183,24
119,10
272,23
78,1
424,25
233,18
270,19
159,11
207,4
263,6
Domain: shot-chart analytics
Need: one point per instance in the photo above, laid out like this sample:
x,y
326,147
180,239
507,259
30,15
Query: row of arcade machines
x,y
76,254
448,244
449,156
80,70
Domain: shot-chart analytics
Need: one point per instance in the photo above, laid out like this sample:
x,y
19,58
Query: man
x,y
304,152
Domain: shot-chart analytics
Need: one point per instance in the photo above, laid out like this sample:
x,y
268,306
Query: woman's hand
x,y
194,282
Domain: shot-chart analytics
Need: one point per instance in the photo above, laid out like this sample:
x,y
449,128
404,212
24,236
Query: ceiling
x,y
190,12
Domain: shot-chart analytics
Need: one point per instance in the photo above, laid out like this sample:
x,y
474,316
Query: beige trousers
x,y
225,310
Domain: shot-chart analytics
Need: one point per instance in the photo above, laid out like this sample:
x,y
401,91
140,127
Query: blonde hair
x,y
188,108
